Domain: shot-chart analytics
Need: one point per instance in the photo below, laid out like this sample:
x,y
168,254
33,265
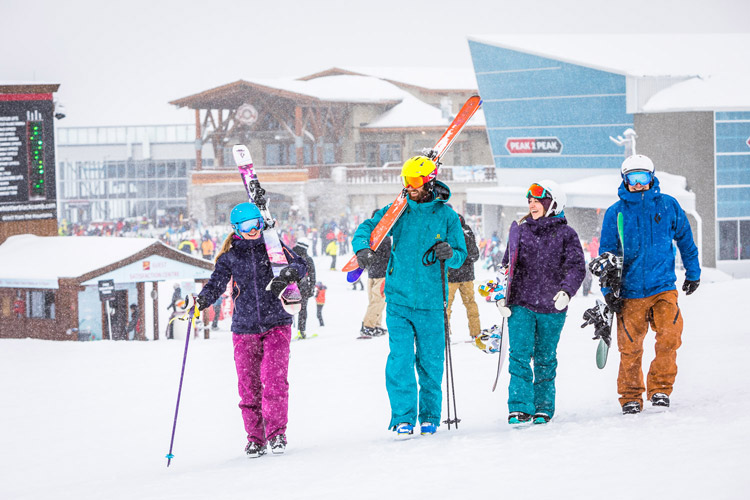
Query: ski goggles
x,y
415,182
250,225
537,191
642,178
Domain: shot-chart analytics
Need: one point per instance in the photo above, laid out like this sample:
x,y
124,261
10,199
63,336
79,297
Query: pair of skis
x,y
391,216
291,298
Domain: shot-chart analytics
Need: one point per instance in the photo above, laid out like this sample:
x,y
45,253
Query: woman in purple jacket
x,y
261,329
546,268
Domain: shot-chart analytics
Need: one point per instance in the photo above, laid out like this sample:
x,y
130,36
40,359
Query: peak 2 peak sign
x,y
533,145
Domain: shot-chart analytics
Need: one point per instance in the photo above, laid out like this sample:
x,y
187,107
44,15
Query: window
x,y
40,304
734,239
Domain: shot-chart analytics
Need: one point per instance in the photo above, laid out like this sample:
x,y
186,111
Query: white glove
x,y
561,300
504,311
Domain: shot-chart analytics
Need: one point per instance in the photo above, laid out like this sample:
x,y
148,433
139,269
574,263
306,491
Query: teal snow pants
x,y
417,340
534,336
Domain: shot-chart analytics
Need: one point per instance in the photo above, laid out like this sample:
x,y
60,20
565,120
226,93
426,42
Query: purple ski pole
x,y
193,312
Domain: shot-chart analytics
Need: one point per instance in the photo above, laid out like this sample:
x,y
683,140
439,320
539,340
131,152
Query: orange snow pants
x,y
663,314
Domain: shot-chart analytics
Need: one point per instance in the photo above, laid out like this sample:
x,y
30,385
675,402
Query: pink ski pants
x,y
262,363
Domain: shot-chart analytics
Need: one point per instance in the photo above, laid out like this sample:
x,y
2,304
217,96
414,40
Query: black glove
x,y
201,302
614,303
365,257
279,283
690,286
443,251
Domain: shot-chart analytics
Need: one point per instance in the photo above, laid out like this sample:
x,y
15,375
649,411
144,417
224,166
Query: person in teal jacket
x,y
414,300
652,221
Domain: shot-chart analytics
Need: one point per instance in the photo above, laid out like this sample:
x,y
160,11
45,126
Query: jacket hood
x,y
442,192
629,197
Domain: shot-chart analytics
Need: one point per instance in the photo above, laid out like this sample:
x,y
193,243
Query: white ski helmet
x,y
558,197
637,163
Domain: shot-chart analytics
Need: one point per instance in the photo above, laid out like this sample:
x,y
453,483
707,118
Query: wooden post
x,y
198,148
155,296
299,140
141,300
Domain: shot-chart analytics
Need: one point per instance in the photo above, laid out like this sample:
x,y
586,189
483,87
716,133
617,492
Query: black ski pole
x,y
450,388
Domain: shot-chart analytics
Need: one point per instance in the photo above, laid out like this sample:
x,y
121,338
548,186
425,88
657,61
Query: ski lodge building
x,y
320,144
571,107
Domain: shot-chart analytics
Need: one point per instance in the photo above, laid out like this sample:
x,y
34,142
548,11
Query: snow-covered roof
x,y
598,191
637,54
411,112
725,92
32,261
428,78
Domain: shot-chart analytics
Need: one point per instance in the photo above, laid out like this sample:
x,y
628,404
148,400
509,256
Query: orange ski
x,y
398,206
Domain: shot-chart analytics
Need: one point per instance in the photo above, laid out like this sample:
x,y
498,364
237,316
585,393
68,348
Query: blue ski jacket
x,y
652,221
408,282
256,310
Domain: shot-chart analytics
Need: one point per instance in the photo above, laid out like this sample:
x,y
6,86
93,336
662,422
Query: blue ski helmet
x,y
242,212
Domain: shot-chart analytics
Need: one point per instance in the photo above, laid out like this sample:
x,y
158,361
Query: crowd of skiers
x,y
545,266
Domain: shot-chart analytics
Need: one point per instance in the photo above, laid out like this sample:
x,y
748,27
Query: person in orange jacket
x,y
320,300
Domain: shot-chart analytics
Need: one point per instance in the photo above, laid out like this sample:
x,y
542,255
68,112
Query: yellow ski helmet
x,y
418,171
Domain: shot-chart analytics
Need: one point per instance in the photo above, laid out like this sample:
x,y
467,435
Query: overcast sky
x,y
119,63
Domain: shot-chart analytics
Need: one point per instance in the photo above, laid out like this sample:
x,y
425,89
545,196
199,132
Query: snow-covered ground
x,y
85,420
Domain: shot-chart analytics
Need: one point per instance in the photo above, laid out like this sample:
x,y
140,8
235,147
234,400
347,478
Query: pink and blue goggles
x,y
642,178
249,225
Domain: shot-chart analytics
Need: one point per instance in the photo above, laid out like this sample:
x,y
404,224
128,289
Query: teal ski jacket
x,y
652,221
408,282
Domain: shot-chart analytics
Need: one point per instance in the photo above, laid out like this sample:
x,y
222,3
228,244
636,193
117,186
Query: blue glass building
x,y
556,104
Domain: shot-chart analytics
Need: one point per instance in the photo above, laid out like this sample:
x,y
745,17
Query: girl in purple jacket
x,y
546,268
261,329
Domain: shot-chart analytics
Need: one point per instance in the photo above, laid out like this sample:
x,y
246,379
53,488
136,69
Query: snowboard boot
x,y
404,431
366,331
660,399
427,429
379,331
255,450
278,444
541,418
631,408
518,417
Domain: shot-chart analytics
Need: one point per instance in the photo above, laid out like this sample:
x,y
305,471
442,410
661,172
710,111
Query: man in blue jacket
x,y
648,295
414,300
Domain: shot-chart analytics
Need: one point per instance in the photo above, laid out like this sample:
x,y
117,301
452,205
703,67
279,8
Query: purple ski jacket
x,y
550,259
256,310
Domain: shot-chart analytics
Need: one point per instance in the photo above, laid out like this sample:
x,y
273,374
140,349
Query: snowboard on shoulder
x,y
398,206
291,298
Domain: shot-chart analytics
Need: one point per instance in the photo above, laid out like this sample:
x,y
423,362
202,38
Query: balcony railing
x,y
390,175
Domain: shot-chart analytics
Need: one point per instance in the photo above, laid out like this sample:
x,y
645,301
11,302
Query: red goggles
x,y
415,182
536,191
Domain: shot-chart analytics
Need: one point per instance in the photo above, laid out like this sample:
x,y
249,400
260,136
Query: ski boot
x,y
404,431
278,444
631,408
541,418
518,417
660,399
427,429
300,335
255,450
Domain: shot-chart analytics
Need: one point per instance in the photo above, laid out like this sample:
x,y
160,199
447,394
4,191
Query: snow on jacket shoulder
x,y
256,310
653,222
408,281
